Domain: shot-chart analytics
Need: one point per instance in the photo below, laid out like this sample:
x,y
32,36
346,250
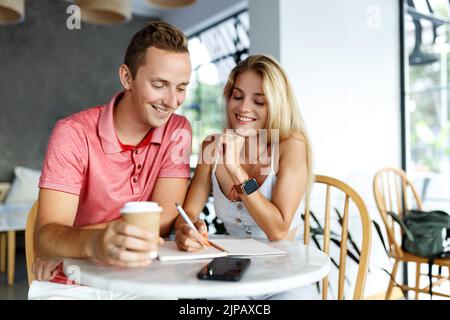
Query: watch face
x,y
250,186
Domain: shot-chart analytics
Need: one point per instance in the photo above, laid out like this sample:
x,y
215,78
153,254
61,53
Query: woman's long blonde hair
x,y
284,112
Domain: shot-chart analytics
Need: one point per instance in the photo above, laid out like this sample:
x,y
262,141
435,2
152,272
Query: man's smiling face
x,y
159,87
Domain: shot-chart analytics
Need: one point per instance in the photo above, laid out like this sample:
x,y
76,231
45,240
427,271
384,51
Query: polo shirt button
x,y
139,166
239,206
135,179
136,151
238,220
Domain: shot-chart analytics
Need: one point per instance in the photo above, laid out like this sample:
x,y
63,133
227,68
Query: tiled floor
x,y
19,291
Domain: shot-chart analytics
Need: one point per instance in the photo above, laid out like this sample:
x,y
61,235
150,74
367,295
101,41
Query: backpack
x,y
425,234
426,238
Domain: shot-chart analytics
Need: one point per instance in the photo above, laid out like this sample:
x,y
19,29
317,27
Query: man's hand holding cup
x,y
133,240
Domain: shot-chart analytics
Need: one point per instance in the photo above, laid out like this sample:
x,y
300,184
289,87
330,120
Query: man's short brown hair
x,y
158,34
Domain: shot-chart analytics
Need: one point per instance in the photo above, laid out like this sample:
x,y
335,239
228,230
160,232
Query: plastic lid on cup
x,y
140,206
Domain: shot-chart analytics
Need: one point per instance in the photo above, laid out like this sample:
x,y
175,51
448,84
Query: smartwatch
x,y
247,187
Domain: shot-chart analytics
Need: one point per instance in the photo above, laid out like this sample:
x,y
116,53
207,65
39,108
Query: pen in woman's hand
x,y
189,222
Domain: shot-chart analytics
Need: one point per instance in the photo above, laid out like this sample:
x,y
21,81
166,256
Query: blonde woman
x,y
260,168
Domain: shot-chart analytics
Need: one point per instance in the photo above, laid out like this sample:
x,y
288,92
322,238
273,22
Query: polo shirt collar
x,y
107,132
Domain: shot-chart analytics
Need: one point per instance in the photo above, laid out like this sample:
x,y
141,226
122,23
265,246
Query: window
x,y
427,82
214,52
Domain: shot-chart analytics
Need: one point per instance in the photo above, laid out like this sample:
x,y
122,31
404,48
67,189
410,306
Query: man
x,y
132,149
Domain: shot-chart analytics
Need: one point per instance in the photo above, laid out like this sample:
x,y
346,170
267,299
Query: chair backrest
x,y
393,190
29,241
350,195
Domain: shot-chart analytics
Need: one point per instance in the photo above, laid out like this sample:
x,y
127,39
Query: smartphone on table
x,y
226,269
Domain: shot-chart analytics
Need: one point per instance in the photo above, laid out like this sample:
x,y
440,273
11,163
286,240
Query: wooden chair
x,y
350,195
393,191
4,187
29,241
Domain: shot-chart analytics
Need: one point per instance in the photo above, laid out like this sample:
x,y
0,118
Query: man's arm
x,y
117,244
166,192
54,223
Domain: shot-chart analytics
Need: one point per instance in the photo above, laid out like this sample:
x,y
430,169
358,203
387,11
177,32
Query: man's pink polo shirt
x,y
84,157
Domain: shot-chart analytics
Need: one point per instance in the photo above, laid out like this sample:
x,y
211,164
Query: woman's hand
x,y
45,270
124,245
231,145
190,240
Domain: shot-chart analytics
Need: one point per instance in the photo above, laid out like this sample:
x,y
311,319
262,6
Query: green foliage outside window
x,y
205,109
428,99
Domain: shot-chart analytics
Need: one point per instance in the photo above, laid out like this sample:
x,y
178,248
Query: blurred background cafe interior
x,y
371,76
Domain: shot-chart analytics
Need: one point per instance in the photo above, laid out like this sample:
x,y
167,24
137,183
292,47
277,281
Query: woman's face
x,y
247,108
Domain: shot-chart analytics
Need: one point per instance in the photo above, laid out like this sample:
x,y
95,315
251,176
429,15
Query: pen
x,y
188,221
215,245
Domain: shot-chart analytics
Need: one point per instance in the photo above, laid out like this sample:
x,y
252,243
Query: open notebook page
x,y
246,247
169,252
234,247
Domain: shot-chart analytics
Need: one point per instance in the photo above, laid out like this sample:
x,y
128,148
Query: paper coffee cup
x,y
145,215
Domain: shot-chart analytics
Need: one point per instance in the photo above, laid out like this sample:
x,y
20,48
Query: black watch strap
x,y
247,187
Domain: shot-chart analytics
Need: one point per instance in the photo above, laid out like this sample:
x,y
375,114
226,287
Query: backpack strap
x,y
442,254
402,225
430,277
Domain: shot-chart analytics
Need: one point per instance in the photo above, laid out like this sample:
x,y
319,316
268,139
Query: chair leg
x,y
2,251
391,281
11,256
417,280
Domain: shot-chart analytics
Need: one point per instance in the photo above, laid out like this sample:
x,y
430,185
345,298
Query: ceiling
x,y
145,9
190,18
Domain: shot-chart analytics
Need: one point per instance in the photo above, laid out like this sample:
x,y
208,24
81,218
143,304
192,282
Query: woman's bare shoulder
x,y
294,143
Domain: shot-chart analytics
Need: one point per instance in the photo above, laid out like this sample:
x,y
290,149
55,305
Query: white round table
x,y
302,265
13,217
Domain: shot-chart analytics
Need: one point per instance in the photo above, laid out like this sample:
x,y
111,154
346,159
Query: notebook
x,y
232,247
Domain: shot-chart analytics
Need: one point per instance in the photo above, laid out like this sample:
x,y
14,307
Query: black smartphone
x,y
226,269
